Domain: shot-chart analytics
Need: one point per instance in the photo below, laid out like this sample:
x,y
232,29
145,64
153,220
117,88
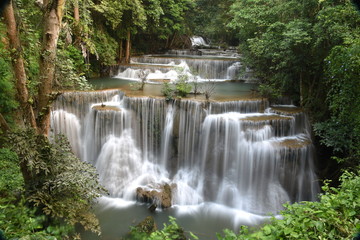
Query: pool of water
x,y
227,90
117,216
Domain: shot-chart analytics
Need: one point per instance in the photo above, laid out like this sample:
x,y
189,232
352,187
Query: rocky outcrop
x,y
161,196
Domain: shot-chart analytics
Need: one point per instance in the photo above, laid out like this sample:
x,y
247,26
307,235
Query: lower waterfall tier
x,y
225,153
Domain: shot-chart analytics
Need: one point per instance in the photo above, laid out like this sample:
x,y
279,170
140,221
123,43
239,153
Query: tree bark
x,y
3,124
120,51
128,48
22,93
52,25
301,90
76,12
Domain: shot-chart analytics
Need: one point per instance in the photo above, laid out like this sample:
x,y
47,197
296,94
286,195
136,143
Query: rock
x,y
148,225
153,207
166,196
161,197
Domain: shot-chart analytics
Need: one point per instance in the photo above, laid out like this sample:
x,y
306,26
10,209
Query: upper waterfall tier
x,y
197,68
231,153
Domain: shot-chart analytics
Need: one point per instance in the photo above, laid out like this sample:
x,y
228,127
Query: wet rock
x,y
153,207
161,197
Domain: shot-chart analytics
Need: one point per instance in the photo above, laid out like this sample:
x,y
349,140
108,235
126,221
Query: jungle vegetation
x,y
307,51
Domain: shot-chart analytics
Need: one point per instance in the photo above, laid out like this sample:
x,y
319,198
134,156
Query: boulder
x,y
162,196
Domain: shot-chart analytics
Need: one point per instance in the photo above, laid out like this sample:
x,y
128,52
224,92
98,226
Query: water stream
x,y
229,163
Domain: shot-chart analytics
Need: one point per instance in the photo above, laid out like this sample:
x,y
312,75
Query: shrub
x,y
167,91
60,184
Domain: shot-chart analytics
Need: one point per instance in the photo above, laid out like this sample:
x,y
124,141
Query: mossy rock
x,y
147,226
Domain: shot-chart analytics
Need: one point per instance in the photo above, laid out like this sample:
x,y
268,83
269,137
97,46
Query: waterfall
x,y
243,155
218,68
198,41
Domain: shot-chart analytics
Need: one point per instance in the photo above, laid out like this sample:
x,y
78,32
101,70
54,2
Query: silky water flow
x,y
228,163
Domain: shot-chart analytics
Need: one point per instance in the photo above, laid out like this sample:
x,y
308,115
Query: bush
x,y
183,88
170,231
60,184
17,220
168,92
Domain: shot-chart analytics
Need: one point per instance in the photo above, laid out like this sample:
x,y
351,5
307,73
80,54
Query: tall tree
x,y
53,13
58,189
26,109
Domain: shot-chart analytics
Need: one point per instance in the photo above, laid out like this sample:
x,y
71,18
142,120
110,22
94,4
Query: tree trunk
x,y
4,127
18,67
120,51
76,12
128,48
52,25
173,37
301,90
77,31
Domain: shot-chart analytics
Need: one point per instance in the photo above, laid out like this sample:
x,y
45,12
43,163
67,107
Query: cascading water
x,y
200,65
229,160
198,41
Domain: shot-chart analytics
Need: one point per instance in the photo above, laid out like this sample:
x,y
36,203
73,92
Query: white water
x,y
220,68
228,154
198,41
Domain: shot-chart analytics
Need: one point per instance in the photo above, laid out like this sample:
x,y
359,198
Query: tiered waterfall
x,y
241,154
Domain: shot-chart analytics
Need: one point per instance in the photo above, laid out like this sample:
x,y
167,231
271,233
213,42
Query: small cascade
x,y
249,106
204,68
235,154
198,41
201,64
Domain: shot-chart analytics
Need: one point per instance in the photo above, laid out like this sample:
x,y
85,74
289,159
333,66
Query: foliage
x,y
335,216
59,183
30,37
182,86
17,220
287,50
7,93
10,177
122,14
209,19
341,131
269,91
166,21
20,222
300,49
168,91
170,231
68,70
173,21
105,47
